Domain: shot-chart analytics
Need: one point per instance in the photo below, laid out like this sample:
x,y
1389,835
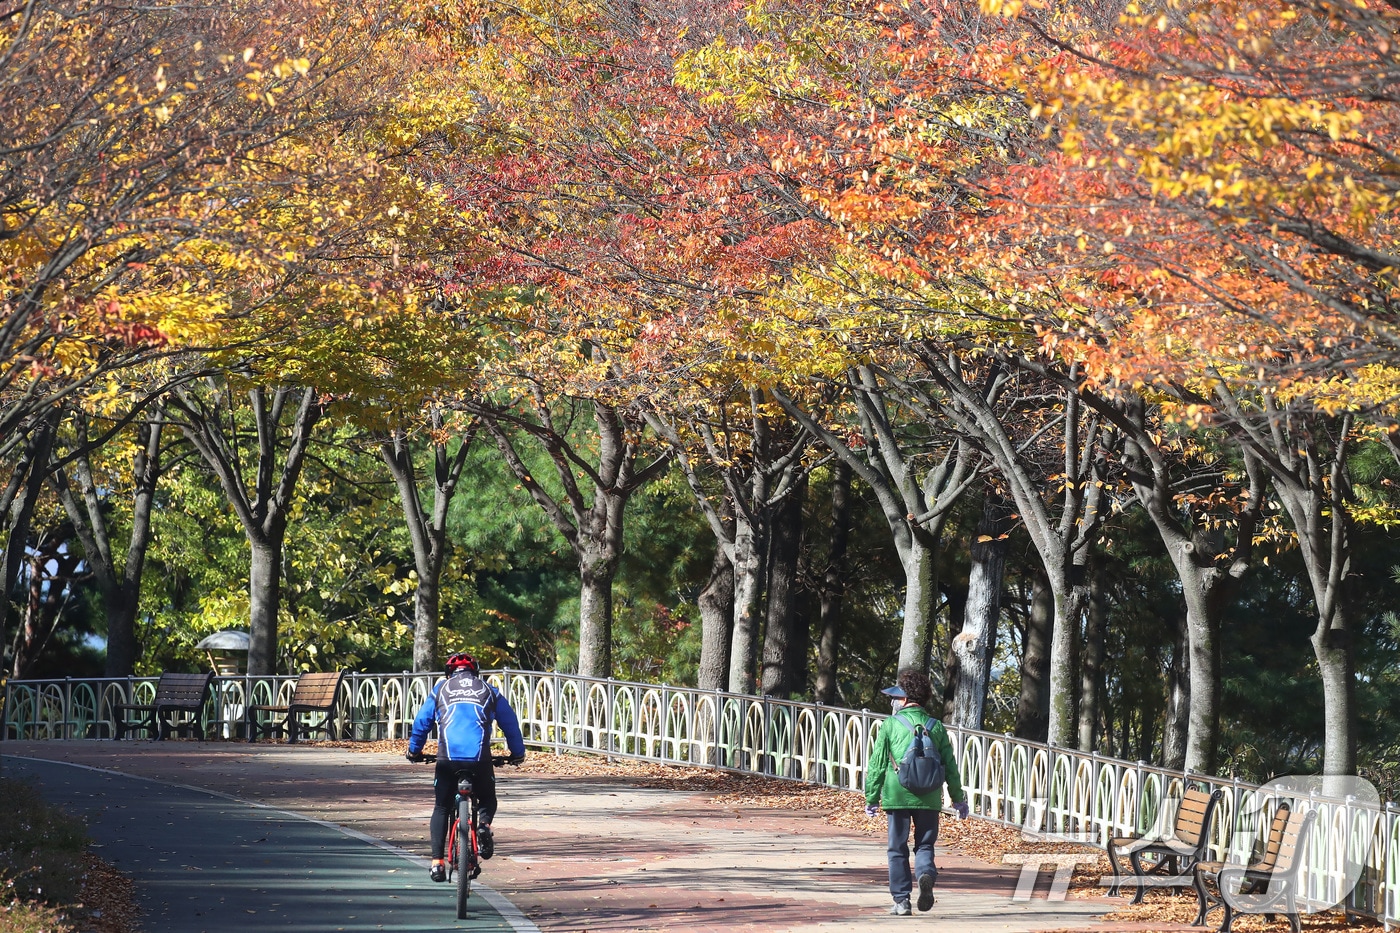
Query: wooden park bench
x,y
314,693
175,694
1175,855
1264,886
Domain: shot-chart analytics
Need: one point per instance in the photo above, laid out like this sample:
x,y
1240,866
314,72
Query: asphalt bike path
x,y
207,863
572,853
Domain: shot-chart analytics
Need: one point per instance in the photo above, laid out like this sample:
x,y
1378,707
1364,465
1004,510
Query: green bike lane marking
x,y
209,862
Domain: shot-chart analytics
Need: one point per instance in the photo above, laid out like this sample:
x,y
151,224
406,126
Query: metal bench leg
x,y
1177,872
1229,914
1115,889
1202,900
1139,878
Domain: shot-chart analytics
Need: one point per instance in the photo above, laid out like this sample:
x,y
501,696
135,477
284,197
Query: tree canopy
x,y
765,344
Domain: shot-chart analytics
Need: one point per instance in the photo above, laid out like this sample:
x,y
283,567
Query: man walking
x,y
906,808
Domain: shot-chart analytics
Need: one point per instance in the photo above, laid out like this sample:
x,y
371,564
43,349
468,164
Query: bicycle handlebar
x,y
497,760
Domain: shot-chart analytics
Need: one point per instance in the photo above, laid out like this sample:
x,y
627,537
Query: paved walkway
x,y
587,853
207,864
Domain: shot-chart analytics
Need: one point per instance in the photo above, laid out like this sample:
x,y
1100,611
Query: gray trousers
x,y
925,823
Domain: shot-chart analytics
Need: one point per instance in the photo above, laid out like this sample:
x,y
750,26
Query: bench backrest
x,y
317,690
1288,834
182,689
1193,816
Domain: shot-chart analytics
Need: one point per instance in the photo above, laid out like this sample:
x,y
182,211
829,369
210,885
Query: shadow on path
x,y
207,864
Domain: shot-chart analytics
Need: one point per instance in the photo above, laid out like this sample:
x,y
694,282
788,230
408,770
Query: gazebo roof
x,y
227,640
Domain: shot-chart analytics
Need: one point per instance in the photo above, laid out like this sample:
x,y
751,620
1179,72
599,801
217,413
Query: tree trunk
x,y
1091,670
716,619
1318,512
1306,453
834,584
1205,590
50,580
264,599
955,603
120,588
1181,681
593,529
1108,718
427,607
263,504
1033,711
428,551
595,615
31,471
976,643
1070,600
1337,666
1147,734
1206,563
779,640
748,593
427,533
121,617
600,554
122,647
915,506
920,590
1059,535
740,524
1205,594
797,667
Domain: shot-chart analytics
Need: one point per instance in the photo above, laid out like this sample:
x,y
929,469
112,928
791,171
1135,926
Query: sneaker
x,y
438,872
900,909
925,891
485,842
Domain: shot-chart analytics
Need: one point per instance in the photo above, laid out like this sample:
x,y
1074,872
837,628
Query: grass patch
x,y
41,861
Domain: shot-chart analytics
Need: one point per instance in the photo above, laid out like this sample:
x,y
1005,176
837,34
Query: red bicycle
x,y
464,860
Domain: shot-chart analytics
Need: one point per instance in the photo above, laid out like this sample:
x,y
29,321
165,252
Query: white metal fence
x,y
1353,855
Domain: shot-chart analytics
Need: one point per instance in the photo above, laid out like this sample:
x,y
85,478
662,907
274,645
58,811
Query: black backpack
x,y
921,770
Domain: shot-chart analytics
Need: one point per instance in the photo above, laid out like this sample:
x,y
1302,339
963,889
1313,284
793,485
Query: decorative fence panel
x,y
1353,856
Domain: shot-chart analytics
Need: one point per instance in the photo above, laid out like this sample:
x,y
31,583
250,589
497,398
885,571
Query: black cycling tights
x,y
483,777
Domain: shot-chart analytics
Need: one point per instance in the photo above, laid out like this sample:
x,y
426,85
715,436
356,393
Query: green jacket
x,y
882,787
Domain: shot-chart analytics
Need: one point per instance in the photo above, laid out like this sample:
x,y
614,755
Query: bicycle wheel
x,y
466,843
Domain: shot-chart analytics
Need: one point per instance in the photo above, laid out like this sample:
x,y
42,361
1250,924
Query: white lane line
x,y
508,911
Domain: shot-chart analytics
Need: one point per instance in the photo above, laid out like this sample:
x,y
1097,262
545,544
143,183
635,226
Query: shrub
x,y
41,849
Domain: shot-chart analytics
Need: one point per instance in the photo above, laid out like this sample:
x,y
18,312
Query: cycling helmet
x,y
459,661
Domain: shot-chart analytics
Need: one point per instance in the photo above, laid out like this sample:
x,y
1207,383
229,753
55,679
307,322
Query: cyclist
x,y
463,706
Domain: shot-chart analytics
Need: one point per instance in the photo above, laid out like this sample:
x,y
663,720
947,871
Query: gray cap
x,y
895,691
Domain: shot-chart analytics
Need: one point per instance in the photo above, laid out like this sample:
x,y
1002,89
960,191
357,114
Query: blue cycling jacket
x,y
463,706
